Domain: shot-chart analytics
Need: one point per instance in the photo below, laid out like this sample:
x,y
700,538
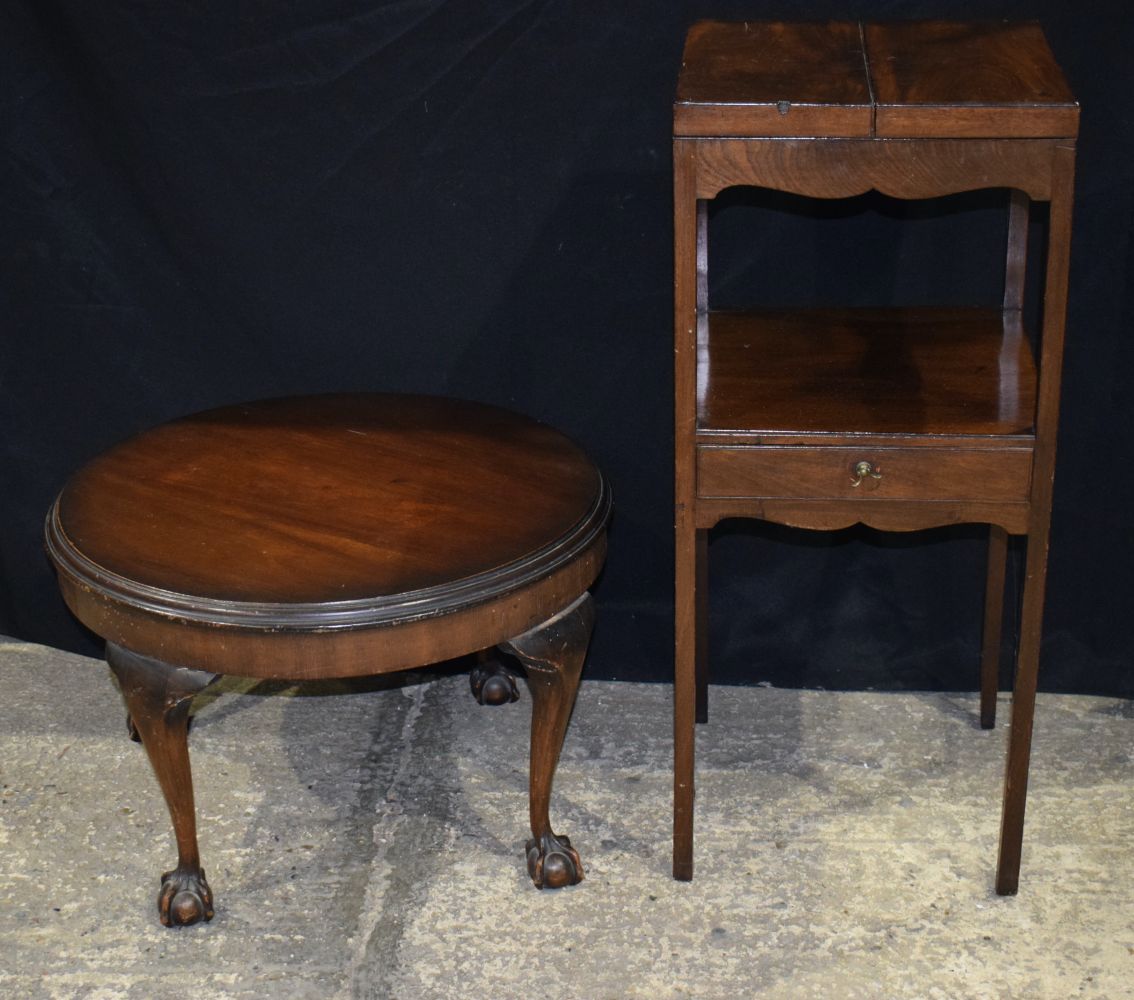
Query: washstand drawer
x,y
997,475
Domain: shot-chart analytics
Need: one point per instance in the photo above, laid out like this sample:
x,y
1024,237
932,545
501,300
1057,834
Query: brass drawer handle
x,y
864,470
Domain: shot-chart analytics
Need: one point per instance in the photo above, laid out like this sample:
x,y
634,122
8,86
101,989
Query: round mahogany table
x,y
333,536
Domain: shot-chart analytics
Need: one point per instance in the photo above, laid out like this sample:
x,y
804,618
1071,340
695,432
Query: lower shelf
x,y
903,371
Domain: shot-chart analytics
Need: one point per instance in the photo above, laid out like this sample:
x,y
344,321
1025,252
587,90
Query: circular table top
x,y
327,511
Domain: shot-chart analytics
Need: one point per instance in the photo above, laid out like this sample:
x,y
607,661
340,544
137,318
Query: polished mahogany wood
x,y
865,474
690,288
158,699
702,625
491,682
1031,614
866,371
884,515
842,168
553,658
993,623
773,79
302,525
333,536
903,79
901,419
332,501
938,78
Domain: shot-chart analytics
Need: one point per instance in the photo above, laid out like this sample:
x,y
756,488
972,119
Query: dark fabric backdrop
x,y
207,202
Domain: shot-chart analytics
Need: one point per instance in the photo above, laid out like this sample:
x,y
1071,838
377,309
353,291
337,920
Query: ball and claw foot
x,y
553,862
493,684
185,898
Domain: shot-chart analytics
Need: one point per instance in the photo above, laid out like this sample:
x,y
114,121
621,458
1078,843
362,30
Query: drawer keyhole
x,y
865,472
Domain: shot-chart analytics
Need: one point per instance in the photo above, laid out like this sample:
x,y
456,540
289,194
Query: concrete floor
x,y
365,840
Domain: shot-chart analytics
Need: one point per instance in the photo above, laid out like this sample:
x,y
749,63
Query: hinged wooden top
x,y
911,79
773,79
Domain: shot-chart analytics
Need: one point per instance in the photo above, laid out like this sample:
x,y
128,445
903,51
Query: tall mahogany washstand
x,y
328,537
898,418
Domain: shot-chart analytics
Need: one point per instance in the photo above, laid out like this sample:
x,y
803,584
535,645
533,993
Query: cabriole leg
x,y
157,697
552,654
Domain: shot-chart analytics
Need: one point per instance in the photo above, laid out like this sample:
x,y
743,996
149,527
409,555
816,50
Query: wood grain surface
x,y
773,79
961,371
909,79
938,78
900,168
943,408
329,536
825,473
325,500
